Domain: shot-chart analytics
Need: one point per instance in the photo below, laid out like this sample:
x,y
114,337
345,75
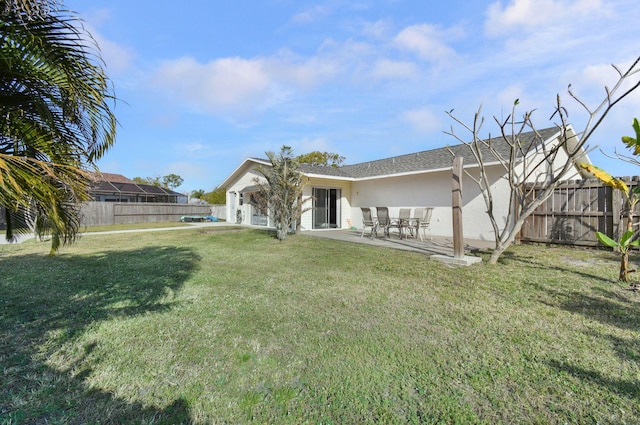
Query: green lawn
x,y
202,326
133,226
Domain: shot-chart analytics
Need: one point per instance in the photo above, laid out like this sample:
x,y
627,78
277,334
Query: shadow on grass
x,y
46,302
611,308
617,307
625,388
530,262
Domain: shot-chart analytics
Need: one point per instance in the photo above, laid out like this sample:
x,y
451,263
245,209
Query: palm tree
x,y
280,190
56,117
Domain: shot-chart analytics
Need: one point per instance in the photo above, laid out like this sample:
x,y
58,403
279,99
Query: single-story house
x,y
421,179
109,187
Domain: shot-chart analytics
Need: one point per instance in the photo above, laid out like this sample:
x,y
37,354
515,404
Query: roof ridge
x,y
429,160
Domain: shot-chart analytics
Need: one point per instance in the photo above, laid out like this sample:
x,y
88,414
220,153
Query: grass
x,y
133,226
236,327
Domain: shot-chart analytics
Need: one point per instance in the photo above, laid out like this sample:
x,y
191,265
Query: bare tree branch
x,y
530,160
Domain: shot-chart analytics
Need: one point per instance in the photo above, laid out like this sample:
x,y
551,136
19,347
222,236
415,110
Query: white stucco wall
x,y
426,190
244,180
542,171
248,176
345,201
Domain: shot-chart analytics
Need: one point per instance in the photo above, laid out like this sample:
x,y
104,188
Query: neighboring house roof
x,y
117,183
419,162
110,177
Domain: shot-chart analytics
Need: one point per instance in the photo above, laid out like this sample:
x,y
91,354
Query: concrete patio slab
x,y
436,245
456,261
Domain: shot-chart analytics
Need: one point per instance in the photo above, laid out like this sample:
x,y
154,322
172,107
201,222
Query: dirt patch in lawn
x,y
589,262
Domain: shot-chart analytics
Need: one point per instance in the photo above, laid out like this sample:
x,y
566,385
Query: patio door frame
x,y
326,211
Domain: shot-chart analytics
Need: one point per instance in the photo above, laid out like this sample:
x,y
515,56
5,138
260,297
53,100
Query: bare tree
x,y
529,160
632,143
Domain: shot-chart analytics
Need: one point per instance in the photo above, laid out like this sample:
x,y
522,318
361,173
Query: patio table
x,y
400,223
405,224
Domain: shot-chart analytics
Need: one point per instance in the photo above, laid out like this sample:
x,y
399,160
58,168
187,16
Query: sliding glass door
x,y
326,208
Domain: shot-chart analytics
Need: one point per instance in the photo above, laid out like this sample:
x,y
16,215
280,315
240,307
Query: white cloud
x,y
602,75
593,80
376,30
238,88
312,144
384,69
193,175
117,58
509,94
310,15
423,120
538,15
237,85
233,83
194,148
427,41
289,69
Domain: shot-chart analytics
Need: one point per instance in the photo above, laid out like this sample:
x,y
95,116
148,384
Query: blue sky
x,y
204,84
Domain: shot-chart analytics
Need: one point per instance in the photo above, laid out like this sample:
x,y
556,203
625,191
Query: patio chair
x,y
368,221
423,220
384,221
403,222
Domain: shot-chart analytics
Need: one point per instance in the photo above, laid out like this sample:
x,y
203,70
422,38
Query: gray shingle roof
x,y
325,171
433,159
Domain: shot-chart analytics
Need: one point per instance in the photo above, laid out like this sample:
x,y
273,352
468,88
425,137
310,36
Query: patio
x,y
433,245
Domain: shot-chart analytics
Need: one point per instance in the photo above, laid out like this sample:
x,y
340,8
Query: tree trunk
x,y
298,216
495,255
624,260
624,267
503,244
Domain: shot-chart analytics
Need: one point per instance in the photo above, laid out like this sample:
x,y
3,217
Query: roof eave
x,y
328,176
235,173
424,171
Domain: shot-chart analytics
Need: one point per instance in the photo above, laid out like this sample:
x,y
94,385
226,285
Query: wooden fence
x,y
107,213
575,212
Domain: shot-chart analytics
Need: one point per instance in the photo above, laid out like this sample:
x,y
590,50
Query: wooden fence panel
x,y
107,213
575,212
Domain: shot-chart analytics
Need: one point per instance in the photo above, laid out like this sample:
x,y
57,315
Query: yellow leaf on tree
x,y
605,177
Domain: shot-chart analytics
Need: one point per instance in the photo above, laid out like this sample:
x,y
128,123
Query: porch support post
x,y
456,208
458,258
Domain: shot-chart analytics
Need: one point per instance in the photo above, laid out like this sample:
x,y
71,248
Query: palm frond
x,y
56,104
